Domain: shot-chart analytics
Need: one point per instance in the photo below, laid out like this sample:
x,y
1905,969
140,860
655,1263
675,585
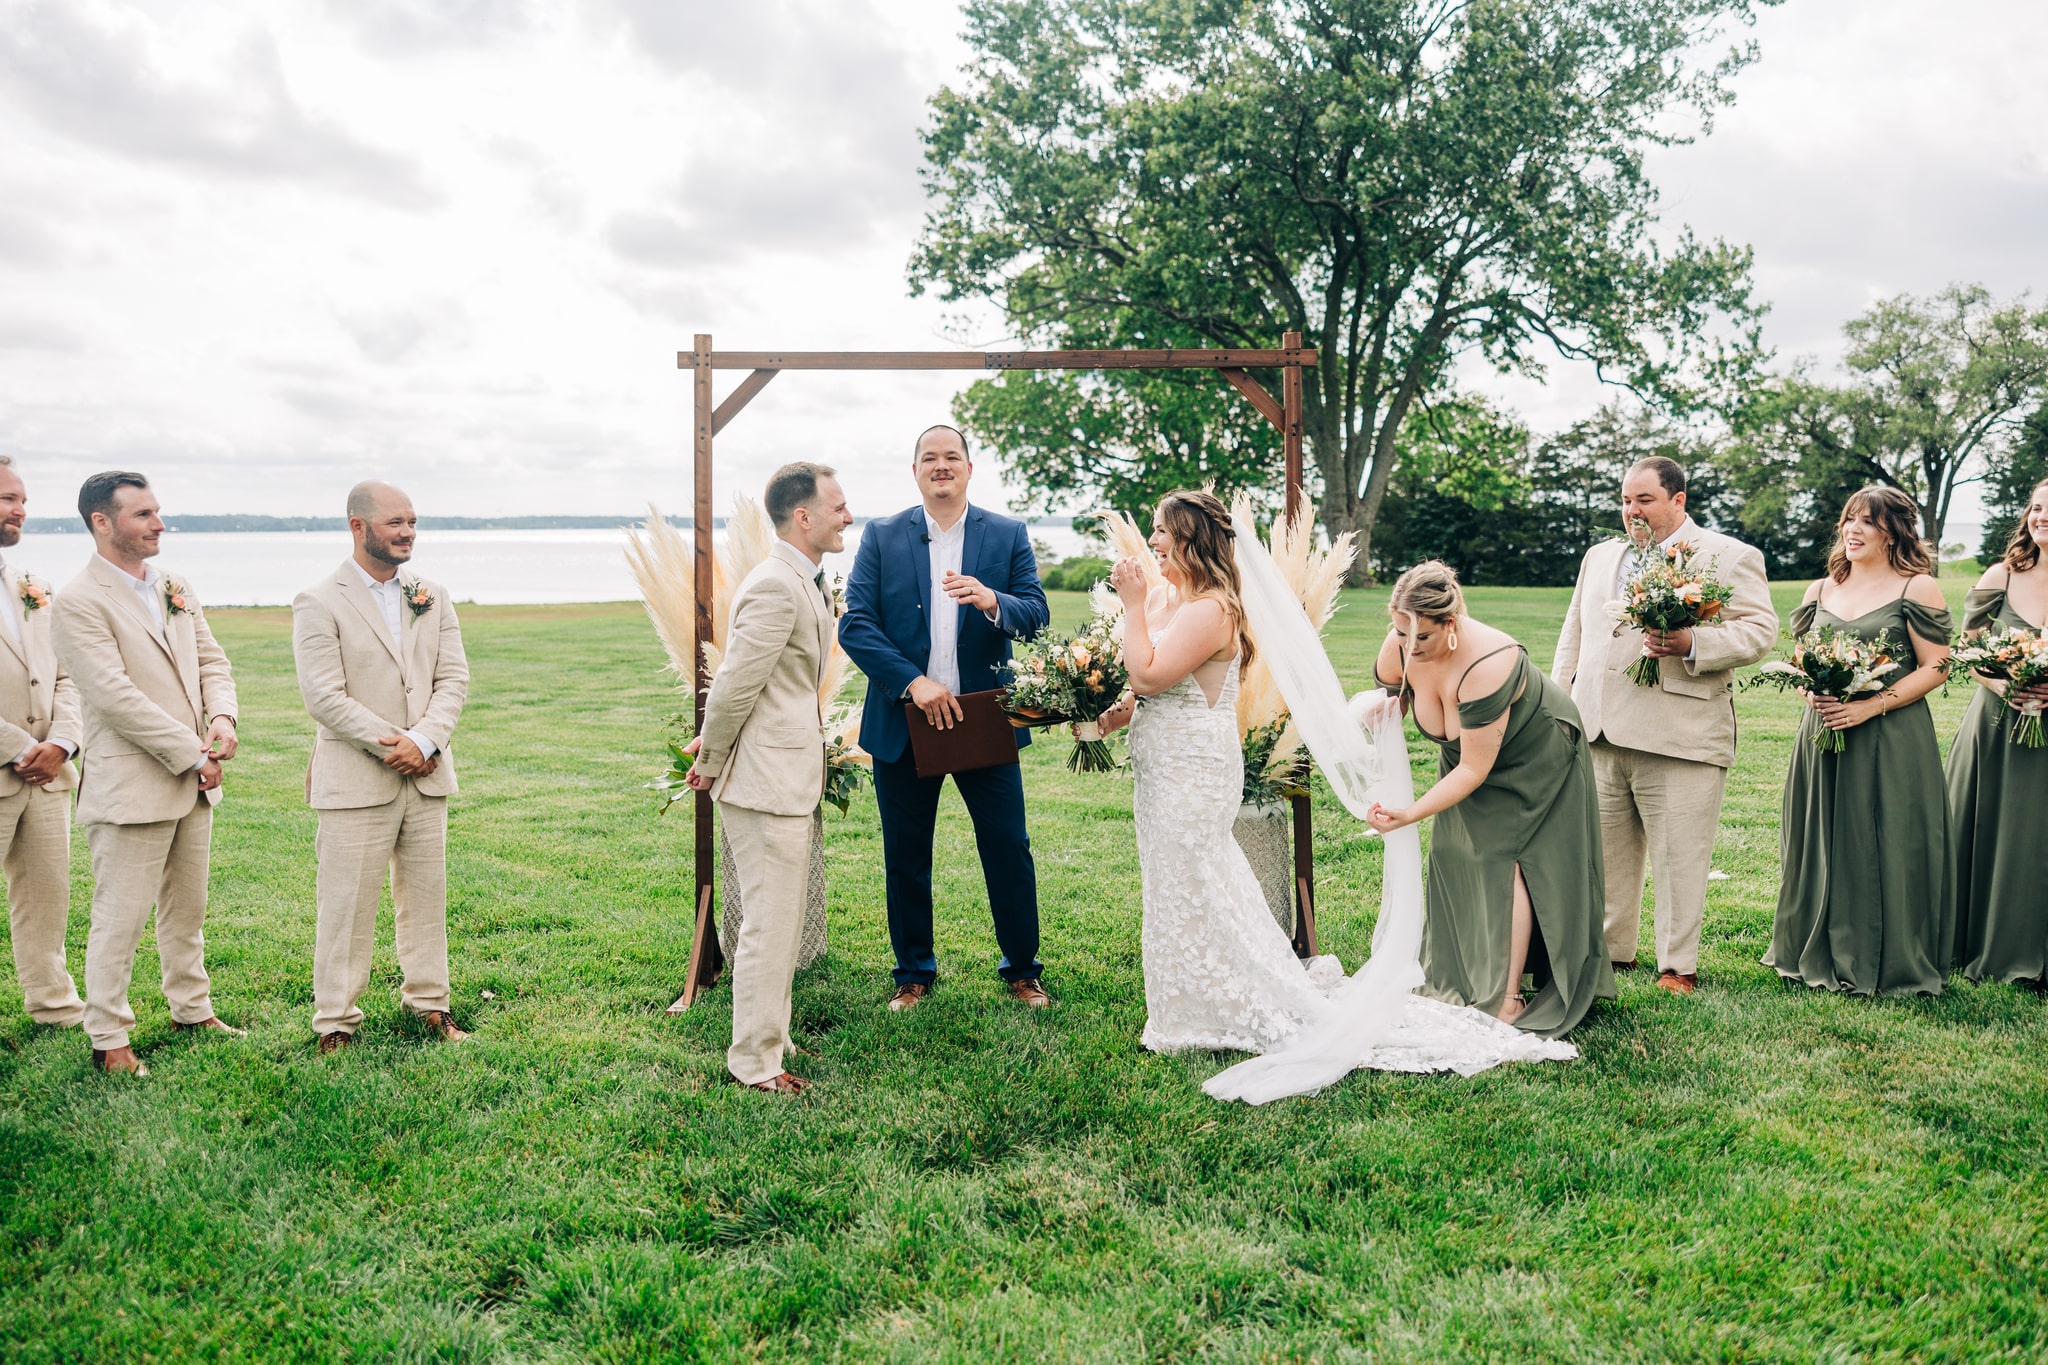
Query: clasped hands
x,y
1837,714
220,747
41,764
1668,644
404,757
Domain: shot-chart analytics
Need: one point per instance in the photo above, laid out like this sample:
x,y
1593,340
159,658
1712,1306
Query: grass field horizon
x,y
1760,1172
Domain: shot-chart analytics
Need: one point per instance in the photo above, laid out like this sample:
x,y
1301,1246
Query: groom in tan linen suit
x,y
761,755
1661,754
159,705
382,671
41,726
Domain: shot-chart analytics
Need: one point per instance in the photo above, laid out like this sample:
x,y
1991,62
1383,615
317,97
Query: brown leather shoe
x,y
1030,993
211,1024
1627,966
119,1061
784,1084
1678,983
442,1026
907,995
335,1041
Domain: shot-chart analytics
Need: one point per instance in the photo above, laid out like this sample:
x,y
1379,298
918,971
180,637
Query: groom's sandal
x,y
907,995
784,1084
1029,992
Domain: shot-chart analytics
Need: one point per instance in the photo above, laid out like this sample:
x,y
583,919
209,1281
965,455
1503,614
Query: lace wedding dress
x,y
1219,973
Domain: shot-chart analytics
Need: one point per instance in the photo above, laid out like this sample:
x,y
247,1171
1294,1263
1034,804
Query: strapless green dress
x,y
1998,818
1536,809
1867,900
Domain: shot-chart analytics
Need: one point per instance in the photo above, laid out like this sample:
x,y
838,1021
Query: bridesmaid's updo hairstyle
x,y
1198,525
2021,553
1893,513
1429,589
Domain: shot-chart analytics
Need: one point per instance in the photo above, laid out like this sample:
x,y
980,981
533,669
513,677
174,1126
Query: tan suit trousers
x,y
409,836
1668,808
135,867
772,854
35,848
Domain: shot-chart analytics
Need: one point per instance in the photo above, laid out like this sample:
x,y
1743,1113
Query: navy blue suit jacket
x,y
888,636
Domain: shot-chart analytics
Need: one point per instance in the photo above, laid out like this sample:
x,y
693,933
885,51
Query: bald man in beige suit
x,y
40,725
761,755
381,668
159,704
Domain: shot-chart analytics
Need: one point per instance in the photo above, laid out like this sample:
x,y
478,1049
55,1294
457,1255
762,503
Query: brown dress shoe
x,y
907,995
335,1041
1029,992
1678,983
119,1061
784,1084
211,1024
1627,966
442,1026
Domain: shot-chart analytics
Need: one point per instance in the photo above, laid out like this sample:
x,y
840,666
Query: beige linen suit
x,y
1661,754
359,687
764,749
149,694
37,703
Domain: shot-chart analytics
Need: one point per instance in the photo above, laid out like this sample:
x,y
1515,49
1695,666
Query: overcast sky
x,y
261,249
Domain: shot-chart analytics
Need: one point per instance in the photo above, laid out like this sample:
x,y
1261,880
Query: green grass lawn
x,y
1756,1173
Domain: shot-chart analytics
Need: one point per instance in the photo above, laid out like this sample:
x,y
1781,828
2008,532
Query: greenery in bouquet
x,y
1275,765
848,767
1072,679
1833,663
2018,657
1677,590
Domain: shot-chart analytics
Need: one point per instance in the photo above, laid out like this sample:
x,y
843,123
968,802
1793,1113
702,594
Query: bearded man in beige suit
x,y
1661,754
761,755
383,674
159,703
41,726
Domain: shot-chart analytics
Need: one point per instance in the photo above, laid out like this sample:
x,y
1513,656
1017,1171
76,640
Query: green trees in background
x,y
2012,480
1404,181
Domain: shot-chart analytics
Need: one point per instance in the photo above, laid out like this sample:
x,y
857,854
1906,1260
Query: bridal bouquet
x,y
2019,657
1676,591
1056,680
1830,663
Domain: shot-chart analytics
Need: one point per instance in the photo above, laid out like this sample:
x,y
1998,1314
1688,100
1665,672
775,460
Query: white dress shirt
x,y
942,665
391,604
1633,562
13,610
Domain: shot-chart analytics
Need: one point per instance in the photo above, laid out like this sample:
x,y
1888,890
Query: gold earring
x,y
1452,643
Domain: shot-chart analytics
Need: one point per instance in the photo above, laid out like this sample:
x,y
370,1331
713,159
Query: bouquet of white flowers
x,y
2019,657
1833,663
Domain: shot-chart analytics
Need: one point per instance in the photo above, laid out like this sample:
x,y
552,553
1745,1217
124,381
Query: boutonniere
x,y
176,600
836,595
417,596
34,596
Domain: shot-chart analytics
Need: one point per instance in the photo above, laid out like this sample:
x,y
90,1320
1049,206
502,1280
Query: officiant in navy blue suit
x,y
937,594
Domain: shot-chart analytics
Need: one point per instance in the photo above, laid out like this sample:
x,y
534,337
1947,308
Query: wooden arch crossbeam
x,y
706,958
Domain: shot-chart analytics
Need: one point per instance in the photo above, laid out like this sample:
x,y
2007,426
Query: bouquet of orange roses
x,y
1057,681
1675,591
2019,657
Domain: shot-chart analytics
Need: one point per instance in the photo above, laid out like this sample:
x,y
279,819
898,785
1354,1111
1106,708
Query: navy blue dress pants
x,y
910,809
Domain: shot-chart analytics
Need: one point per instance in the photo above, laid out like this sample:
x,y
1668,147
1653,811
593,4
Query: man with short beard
x,y
159,704
40,725
382,671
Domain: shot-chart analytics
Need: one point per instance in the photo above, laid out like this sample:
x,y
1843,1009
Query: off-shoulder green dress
x,y
1998,817
1867,900
1536,809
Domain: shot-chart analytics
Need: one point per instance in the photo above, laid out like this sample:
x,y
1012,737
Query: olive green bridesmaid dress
x,y
1537,808
1867,903
1998,817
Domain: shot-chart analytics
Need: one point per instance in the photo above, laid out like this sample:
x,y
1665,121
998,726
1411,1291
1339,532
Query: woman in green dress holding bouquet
x,y
1867,900
1998,789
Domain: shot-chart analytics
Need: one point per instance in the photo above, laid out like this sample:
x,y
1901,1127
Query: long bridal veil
x,y
1374,1019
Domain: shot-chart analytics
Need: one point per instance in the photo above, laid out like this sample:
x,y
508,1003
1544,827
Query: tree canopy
x,y
1403,181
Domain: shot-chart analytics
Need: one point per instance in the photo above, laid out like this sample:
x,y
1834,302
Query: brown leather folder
x,y
984,738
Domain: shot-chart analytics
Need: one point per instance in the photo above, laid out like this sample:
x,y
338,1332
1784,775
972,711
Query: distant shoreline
x,y
47,526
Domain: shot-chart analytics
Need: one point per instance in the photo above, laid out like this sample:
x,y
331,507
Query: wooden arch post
x,y
710,418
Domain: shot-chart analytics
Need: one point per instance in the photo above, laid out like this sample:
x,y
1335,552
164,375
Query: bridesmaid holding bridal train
x,y
1867,900
1998,790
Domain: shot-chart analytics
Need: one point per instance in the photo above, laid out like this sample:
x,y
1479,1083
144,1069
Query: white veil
x,y
1371,1008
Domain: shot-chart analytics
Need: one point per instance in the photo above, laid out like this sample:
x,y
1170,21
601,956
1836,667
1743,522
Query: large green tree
x,y
1403,181
2011,485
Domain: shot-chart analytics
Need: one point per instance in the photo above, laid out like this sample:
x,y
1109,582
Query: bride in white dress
x,y
1219,972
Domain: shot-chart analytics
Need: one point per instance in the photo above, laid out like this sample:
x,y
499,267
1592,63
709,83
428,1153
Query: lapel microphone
x,y
925,536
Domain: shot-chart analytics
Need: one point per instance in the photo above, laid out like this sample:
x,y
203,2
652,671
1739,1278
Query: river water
x,y
269,568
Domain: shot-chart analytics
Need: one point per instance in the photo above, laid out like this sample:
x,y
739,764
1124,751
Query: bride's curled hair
x,y
1429,589
1198,524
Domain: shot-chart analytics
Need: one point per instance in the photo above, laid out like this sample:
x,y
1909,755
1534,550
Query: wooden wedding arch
x,y
706,958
